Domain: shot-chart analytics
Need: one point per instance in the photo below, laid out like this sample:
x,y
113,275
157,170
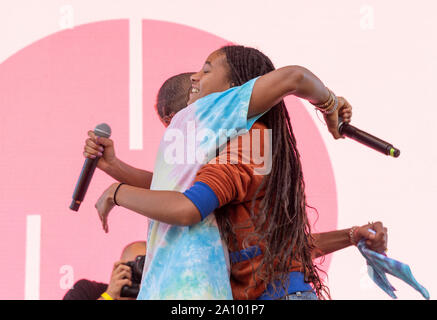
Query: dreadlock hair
x,y
173,96
281,222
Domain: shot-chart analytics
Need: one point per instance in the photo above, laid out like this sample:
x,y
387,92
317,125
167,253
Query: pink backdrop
x,y
63,85
65,67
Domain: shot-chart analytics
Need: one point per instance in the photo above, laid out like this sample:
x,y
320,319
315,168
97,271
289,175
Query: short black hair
x,y
173,94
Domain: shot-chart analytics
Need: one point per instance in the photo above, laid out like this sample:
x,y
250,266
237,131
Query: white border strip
x,y
135,84
33,255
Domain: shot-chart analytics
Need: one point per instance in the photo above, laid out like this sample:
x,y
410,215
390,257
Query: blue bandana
x,y
379,264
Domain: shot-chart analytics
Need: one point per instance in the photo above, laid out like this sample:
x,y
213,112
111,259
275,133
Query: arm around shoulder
x,y
274,86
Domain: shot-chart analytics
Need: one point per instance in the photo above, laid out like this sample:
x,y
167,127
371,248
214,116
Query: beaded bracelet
x,y
352,234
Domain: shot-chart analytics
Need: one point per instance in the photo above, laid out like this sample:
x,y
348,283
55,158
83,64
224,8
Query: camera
x,y
136,266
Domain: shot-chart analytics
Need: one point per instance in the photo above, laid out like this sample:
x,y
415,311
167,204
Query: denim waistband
x,y
295,279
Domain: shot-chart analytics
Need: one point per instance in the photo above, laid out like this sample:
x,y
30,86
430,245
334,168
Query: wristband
x,y
203,197
115,193
106,296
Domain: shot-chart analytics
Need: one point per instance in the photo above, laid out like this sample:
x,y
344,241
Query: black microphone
x,y
367,139
101,130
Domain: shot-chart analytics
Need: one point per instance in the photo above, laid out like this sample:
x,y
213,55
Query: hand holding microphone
x,y
100,147
338,116
93,155
343,111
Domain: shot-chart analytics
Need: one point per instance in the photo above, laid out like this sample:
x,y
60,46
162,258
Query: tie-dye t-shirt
x,y
192,262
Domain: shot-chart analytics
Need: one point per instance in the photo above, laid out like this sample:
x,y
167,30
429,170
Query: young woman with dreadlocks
x,y
231,183
263,219
235,87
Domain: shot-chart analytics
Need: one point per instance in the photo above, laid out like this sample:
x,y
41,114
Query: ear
x,y
167,119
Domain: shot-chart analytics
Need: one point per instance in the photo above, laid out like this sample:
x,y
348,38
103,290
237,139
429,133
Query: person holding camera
x,y
124,281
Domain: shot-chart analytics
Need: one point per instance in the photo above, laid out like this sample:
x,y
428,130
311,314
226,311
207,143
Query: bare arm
x,y
272,87
328,242
123,172
170,207
111,165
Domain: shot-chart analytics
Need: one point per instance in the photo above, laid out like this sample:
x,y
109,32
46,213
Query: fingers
x,y
331,121
106,142
364,233
381,237
378,242
122,272
103,218
92,145
378,228
95,146
92,149
345,110
105,226
116,264
334,133
345,114
121,276
125,282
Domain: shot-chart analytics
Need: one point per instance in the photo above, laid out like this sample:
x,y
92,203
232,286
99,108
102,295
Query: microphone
x,y
101,130
367,139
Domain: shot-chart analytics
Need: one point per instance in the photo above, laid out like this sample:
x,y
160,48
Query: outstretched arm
x,y
328,242
170,207
108,162
124,172
274,86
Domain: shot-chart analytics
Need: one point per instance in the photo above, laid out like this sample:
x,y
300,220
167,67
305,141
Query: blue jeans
x,y
305,295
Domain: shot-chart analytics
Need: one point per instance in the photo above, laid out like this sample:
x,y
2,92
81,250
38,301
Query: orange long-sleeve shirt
x,y
235,185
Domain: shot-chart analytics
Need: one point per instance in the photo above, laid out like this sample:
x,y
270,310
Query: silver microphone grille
x,y
102,130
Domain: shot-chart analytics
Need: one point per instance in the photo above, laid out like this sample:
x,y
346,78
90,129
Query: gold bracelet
x,y
351,235
106,296
322,106
333,106
329,106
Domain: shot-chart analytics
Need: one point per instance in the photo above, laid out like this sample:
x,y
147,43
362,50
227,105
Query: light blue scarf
x,y
379,264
